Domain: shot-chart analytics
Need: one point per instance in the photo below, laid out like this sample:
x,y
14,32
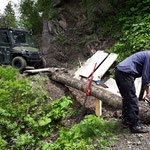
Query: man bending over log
x,y
137,65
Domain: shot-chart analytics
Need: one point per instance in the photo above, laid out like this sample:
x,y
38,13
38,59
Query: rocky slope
x,y
71,36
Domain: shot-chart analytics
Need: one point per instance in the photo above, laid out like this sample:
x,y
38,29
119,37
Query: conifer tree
x,y
8,19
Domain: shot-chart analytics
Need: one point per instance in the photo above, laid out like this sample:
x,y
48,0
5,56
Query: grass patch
x,y
91,133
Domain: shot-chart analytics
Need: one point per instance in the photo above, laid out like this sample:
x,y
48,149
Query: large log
x,y
96,91
101,93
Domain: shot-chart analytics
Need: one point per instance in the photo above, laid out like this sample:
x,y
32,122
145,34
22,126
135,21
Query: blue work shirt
x,y
138,65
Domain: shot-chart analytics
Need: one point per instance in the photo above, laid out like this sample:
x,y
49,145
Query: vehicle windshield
x,y
22,38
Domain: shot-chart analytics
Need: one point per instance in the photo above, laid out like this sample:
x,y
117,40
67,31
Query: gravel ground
x,y
133,142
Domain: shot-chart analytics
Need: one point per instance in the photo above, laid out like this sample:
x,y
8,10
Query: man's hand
x,y
147,88
148,96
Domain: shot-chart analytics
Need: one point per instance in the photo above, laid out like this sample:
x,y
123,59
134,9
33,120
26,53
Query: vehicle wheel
x,y
19,63
42,64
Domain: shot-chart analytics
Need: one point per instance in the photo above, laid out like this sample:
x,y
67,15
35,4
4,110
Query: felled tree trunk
x,y
101,93
96,91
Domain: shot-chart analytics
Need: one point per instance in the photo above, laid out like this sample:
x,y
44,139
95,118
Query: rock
x,y
55,28
63,24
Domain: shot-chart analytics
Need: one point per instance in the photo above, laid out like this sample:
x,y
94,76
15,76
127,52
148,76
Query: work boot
x,y
138,129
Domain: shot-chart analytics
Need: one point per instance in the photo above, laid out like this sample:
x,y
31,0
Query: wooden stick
x,y
98,107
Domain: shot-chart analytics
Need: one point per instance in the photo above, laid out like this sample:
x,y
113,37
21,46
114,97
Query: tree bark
x,y
101,93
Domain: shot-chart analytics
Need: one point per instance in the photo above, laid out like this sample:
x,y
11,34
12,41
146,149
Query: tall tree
x,y
8,19
33,12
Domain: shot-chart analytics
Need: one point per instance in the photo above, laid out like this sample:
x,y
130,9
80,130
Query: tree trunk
x,y
101,93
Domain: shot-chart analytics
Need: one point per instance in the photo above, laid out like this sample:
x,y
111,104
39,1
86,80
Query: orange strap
x,y
88,87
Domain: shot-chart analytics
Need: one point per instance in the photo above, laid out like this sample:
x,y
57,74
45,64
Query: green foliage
x,y
63,40
89,6
33,13
53,15
82,135
95,9
28,119
3,143
88,39
44,6
8,19
30,16
107,27
134,35
26,115
8,73
60,108
24,139
131,25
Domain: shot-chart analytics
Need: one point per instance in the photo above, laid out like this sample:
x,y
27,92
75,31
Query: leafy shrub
x,y
25,114
135,31
28,119
8,73
83,135
63,40
87,39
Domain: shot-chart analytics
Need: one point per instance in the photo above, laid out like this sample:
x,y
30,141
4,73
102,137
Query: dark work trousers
x,y
130,110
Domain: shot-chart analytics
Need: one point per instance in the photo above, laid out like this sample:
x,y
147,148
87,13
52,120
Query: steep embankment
x,y
72,34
